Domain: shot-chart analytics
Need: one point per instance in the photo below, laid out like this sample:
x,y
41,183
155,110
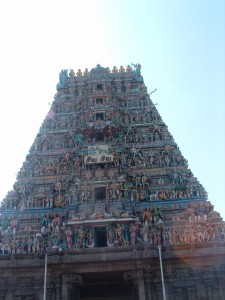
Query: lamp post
x,y
40,239
161,269
45,276
161,228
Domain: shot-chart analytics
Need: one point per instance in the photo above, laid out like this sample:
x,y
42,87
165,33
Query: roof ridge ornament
x,y
137,71
99,72
63,75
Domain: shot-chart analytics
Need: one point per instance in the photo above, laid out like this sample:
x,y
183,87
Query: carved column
x,y
157,290
38,286
218,284
169,289
140,285
58,286
71,286
58,291
221,286
65,287
77,281
129,277
148,282
137,277
3,288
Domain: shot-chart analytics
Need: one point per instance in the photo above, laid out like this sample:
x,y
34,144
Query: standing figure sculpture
x,y
63,75
137,71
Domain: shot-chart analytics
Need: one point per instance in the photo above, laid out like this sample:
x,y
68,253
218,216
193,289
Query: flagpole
x,y
45,276
162,276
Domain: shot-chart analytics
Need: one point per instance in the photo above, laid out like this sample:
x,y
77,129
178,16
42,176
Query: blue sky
x,y
180,45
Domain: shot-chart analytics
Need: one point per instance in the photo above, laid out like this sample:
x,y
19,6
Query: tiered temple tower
x,y
102,189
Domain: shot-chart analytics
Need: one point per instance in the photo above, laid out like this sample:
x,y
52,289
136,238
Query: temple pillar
x,y
58,286
169,290
65,287
77,282
71,286
58,292
140,285
218,285
137,278
221,287
3,288
38,287
148,283
10,289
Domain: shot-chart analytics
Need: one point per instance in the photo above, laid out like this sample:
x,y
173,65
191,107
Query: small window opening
x,y
101,237
99,87
99,116
100,193
123,89
99,101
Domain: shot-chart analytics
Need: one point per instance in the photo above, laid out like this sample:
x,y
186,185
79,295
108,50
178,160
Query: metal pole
x,y
45,277
162,277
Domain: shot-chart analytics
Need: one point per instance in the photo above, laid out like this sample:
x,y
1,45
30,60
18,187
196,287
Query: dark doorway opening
x,y
123,89
99,116
101,237
99,87
99,101
107,291
100,193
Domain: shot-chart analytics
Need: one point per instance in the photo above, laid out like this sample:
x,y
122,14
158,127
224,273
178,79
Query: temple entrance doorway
x,y
106,286
110,298
100,237
107,292
100,193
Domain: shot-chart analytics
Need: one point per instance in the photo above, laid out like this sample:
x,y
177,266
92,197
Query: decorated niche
x,y
85,193
99,87
122,103
101,235
126,117
100,101
99,72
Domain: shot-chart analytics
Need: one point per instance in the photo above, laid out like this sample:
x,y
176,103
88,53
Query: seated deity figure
x,y
79,73
121,70
114,70
147,215
72,73
128,69
86,72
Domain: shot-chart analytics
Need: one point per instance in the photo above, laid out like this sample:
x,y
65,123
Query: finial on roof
x,y
79,73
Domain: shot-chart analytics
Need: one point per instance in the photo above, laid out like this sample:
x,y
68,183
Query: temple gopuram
x,y
105,206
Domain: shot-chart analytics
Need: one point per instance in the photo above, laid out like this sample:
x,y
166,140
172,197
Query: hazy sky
x,y
180,45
